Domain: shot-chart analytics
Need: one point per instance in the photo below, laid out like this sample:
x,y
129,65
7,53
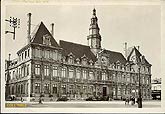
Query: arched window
x,y
37,87
46,70
84,74
91,75
46,87
78,74
55,71
46,39
37,69
71,71
63,72
104,77
54,88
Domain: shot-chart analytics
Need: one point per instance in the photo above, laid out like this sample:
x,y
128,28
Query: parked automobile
x,y
63,98
11,98
98,98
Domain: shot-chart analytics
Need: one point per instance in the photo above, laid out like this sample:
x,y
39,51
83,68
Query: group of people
x,y
128,100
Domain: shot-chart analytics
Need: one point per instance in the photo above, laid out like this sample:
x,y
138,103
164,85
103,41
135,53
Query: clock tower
x,y
94,37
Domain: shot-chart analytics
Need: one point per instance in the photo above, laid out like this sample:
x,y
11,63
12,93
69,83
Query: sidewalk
x,y
84,102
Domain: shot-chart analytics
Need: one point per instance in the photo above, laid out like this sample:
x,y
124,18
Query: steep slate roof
x,y
144,61
115,56
42,30
77,50
137,53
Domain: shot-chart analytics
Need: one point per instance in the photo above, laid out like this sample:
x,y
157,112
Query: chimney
x,y
52,31
29,27
138,47
125,49
9,56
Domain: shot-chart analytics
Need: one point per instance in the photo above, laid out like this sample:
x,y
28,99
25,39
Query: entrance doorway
x,y
104,91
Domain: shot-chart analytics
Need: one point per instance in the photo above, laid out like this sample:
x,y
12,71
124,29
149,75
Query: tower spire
x,y
94,37
94,11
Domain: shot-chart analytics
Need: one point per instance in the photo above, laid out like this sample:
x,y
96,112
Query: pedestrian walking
x,y
40,100
127,101
133,100
21,99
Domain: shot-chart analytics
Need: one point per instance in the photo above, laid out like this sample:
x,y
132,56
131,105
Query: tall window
x,y
46,70
84,61
78,74
13,75
25,54
46,86
55,73
28,52
51,54
37,52
63,72
91,76
54,88
147,81
22,71
19,72
91,89
64,89
46,54
104,76
114,91
71,73
128,78
37,69
27,70
114,77
46,39
85,89
70,60
55,55
119,91
71,89
22,55
84,74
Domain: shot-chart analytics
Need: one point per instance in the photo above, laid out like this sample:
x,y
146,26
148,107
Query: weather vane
x,y
15,23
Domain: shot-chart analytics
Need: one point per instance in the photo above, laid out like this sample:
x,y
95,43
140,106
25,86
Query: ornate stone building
x,y
46,68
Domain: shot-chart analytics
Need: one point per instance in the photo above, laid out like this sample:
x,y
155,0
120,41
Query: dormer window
x,y
78,61
55,55
84,59
70,59
91,62
37,52
46,39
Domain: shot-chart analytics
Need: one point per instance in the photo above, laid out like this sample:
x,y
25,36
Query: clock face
x,y
133,58
103,59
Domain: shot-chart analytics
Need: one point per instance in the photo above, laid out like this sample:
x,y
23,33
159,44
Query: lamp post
x,y
42,74
139,91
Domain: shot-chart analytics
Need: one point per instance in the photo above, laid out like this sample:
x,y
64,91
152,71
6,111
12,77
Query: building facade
x,y
156,89
50,69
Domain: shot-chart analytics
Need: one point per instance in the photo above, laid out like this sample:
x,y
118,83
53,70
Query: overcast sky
x,y
136,25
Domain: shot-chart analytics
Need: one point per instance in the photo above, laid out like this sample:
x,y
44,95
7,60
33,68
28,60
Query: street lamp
x,y
139,91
